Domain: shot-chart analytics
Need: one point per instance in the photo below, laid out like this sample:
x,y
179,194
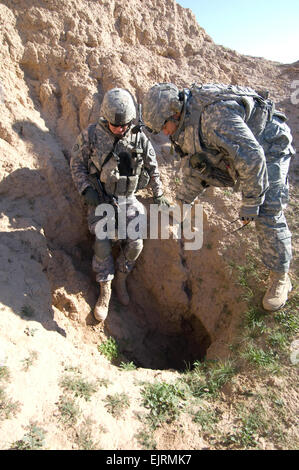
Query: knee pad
x,y
102,249
133,249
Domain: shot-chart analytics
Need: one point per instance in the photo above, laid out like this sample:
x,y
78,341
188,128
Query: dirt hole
x,y
150,348
146,338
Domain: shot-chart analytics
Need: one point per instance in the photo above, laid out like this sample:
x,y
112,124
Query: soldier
x,y
232,136
113,158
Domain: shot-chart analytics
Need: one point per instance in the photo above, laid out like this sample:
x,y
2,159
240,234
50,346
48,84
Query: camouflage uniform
x,y
90,159
260,162
239,140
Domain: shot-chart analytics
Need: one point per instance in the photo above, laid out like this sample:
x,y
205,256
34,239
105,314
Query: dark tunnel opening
x,y
149,347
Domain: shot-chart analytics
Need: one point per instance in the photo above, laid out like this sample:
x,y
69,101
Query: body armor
x,y
117,163
211,165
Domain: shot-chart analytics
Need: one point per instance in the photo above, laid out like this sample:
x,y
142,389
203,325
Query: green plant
x,y
29,361
288,321
8,408
84,439
69,410
248,276
163,400
127,366
243,272
219,373
254,321
80,387
252,425
4,373
32,440
146,440
103,382
27,311
109,349
206,419
30,331
261,358
196,382
117,403
208,377
278,339
227,192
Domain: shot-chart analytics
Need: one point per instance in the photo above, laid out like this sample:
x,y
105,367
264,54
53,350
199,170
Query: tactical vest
x,y
120,170
258,110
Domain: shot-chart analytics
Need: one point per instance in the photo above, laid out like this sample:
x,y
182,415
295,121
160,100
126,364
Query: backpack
x,y
258,108
209,164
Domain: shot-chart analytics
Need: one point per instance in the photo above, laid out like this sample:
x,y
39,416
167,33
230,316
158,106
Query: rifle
x,y
144,177
138,128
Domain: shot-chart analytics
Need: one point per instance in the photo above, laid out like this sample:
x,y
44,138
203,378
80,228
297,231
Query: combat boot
x,y
277,293
102,305
121,288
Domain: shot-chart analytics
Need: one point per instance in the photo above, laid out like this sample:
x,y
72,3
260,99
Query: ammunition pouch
x,y
144,179
121,174
262,113
122,186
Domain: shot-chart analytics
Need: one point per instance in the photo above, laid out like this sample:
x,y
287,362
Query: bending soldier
x,y
112,158
232,136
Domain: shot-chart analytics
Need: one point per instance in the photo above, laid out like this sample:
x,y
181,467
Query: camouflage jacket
x,y
231,132
103,157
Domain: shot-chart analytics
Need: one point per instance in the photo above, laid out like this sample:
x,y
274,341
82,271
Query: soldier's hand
x,y
248,214
91,196
247,220
161,201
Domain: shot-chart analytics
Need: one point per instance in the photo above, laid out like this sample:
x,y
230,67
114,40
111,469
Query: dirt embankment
x,y
57,59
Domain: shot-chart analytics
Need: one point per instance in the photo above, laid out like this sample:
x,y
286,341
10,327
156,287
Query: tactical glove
x,y
161,201
91,197
248,213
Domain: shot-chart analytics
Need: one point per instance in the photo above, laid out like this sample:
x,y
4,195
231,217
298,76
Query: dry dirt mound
x,y
57,60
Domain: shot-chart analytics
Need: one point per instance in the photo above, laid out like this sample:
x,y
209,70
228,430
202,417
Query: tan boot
x,y
277,293
102,305
121,288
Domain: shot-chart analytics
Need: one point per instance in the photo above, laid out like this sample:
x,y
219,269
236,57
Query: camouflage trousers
x,y
103,262
273,234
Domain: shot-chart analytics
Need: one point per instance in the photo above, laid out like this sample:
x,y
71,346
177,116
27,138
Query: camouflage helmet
x,y
160,103
118,107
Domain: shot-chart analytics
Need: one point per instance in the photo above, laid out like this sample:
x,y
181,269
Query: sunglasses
x,y
119,125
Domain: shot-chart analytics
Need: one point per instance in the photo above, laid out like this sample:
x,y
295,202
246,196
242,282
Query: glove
x,y
161,201
248,214
247,220
91,197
